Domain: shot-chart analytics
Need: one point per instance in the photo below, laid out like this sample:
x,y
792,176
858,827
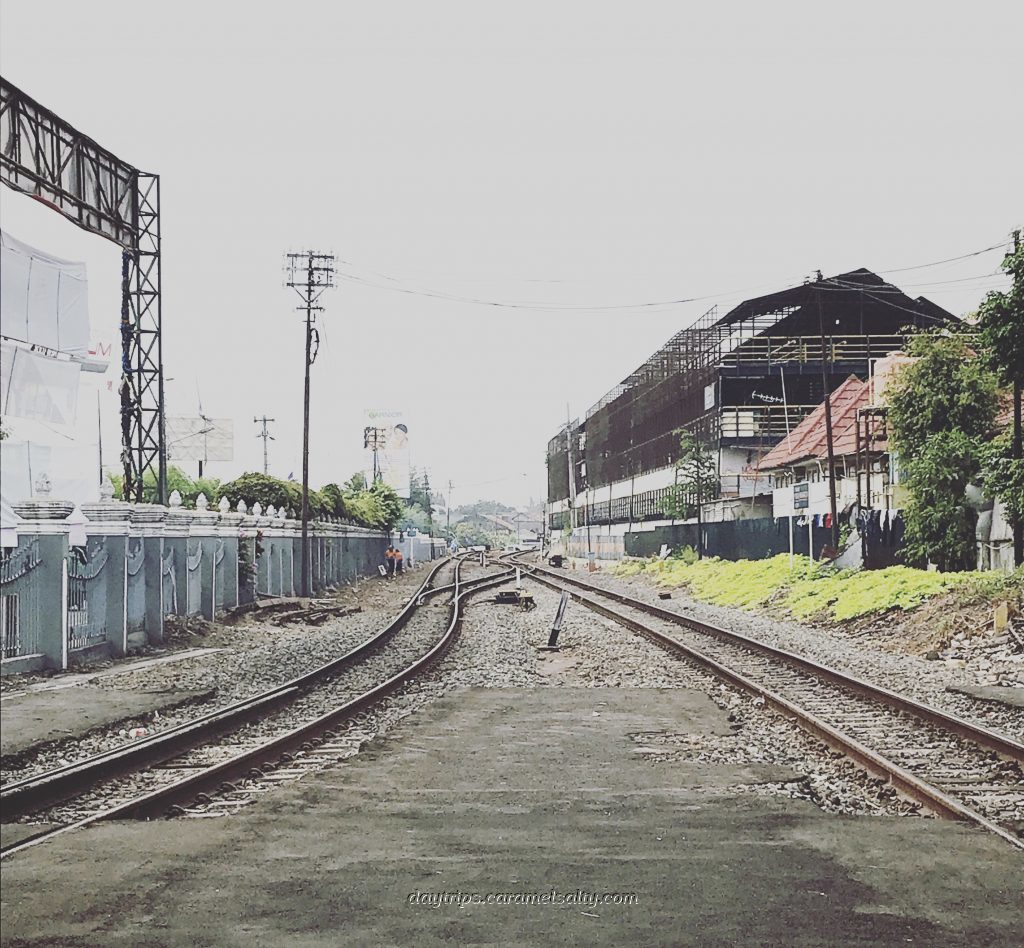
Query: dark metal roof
x,y
853,283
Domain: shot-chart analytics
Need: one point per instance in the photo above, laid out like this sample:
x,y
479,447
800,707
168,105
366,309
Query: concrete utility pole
x,y
266,436
448,510
309,274
1017,448
375,439
828,426
572,472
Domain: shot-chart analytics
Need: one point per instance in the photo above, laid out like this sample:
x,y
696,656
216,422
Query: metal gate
x,y
19,601
86,602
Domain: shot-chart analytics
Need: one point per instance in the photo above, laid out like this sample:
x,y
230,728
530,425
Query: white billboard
x,y
200,439
389,437
44,299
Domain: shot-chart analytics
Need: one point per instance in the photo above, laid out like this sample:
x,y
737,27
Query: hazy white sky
x,y
577,154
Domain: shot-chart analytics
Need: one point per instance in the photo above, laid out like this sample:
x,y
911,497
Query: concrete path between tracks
x,y
496,817
32,718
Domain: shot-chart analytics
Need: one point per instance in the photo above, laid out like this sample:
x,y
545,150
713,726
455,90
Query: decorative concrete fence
x,y
70,592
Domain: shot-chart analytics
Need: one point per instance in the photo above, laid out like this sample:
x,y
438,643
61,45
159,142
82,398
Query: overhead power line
x,y
394,285
1003,244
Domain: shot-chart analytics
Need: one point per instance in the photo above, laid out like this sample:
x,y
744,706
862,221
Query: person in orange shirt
x,y
398,561
389,560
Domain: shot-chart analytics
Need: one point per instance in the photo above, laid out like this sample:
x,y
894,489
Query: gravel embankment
x,y
920,678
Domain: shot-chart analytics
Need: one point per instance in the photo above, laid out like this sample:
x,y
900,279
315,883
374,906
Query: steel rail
x,y
21,797
1000,743
911,786
305,736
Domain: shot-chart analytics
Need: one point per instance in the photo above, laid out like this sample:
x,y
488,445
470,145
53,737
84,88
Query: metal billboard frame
x,y
43,156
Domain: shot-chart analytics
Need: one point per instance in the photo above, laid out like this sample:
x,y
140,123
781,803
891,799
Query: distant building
x,y
740,382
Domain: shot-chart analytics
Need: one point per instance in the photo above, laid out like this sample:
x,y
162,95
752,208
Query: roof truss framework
x,y
43,156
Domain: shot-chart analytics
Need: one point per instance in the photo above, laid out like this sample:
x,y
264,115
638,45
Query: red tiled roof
x,y
808,440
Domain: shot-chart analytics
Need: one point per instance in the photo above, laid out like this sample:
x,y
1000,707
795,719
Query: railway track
x,y
273,736
952,767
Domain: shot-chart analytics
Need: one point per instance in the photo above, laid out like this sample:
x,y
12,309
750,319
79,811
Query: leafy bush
x,y
809,588
266,490
333,499
379,507
686,554
177,480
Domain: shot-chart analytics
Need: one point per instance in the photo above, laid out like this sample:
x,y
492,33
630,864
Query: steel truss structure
x,y
43,156
738,381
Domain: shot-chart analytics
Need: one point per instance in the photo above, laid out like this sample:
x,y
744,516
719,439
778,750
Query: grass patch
x,y
809,589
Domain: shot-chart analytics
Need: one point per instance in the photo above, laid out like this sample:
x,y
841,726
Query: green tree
x,y
942,410
390,505
414,518
356,483
429,505
696,482
1001,339
418,513
334,500
210,486
469,534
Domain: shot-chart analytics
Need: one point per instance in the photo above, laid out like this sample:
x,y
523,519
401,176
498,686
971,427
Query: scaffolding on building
x,y
725,379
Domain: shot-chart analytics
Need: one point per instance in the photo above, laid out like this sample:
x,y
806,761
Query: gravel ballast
x,y
498,647
920,678
254,654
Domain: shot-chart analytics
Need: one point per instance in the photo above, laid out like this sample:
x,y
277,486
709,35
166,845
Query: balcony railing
x,y
762,421
777,349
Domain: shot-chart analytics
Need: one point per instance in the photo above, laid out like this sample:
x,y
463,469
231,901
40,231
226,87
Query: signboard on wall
x,y
801,496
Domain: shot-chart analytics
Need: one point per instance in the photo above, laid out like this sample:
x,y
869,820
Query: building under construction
x,y
739,381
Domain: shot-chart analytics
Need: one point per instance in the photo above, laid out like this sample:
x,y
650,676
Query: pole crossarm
x,y
43,156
